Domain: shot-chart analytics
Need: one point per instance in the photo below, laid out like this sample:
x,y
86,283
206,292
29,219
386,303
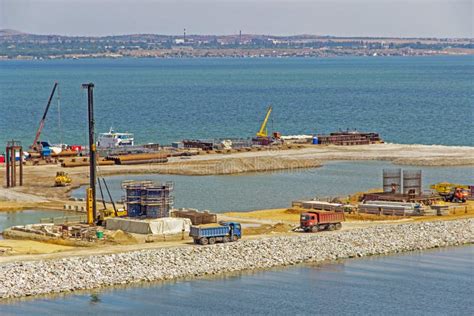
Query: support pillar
x,y
12,148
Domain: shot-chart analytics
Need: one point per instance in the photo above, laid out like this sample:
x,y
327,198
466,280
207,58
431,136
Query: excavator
x,y
451,192
262,135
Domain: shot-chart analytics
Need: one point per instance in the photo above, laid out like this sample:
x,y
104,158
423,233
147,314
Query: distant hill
x,y
19,45
9,32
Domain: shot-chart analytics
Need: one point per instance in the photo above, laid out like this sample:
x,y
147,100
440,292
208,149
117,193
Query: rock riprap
x,y
19,279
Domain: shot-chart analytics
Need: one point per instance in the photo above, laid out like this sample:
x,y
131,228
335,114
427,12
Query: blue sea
x,y
425,100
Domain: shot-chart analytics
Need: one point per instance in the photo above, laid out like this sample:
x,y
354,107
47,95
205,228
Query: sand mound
x,y
120,237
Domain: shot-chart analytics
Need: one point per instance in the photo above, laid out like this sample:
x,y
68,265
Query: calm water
x,y
13,218
407,99
276,190
436,282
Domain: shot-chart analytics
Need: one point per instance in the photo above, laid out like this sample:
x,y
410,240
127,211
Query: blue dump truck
x,y
224,232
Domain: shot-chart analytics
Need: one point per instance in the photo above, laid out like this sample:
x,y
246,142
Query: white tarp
x,y
159,226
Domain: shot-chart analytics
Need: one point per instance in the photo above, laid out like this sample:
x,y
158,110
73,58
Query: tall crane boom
x,y
263,128
40,128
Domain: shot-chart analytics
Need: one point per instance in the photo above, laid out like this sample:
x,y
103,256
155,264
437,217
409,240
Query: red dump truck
x,y
320,220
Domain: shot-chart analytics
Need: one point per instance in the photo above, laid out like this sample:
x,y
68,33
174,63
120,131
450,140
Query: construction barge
x,y
348,138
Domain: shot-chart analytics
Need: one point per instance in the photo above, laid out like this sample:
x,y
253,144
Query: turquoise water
x,y
435,282
278,189
407,99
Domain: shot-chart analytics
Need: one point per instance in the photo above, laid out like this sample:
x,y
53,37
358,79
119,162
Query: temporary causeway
x,y
28,278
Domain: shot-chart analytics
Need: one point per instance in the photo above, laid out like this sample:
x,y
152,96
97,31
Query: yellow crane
x,y
263,128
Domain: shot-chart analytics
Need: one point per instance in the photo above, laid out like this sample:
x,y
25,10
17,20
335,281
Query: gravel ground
x,y
19,279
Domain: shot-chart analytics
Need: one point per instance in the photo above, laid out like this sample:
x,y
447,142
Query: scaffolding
x,y
148,199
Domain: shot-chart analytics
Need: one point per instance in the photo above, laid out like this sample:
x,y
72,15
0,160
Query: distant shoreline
x,y
18,45
224,56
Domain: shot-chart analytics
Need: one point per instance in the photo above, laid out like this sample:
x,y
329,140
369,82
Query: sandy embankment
x,y
19,279
39,179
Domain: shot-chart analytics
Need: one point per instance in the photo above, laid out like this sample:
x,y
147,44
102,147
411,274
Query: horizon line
x,y
17,32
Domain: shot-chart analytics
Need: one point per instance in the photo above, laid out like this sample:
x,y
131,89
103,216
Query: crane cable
x,y
59,117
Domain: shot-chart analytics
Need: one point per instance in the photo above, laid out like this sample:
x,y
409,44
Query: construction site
x,y
42,176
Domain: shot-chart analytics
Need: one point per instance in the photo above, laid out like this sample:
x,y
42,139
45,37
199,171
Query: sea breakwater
x,y
19,279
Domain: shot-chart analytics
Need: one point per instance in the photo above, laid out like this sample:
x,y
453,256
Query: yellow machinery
x,y
263,129
62,179
451,192
89,202
108,213
444,188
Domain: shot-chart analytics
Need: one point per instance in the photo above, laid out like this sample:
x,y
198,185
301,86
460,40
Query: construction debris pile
x,y
66,231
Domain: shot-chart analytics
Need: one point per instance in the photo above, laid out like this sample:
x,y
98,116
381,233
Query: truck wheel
x,y
235,238
204,241
212,241
196,241
315,228
226,239
331,227
338,226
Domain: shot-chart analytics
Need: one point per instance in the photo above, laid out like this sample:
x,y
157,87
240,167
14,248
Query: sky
x,y
392,18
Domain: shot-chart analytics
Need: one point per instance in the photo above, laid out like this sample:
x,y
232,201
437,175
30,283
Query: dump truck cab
x,y
308,219
235,229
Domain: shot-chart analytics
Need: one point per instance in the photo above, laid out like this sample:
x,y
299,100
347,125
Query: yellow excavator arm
x,y
263,129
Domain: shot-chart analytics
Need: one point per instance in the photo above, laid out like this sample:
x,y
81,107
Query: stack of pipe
x,y
84,162
134,159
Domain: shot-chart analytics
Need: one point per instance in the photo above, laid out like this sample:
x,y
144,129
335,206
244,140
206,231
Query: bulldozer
x,y
451,192
62,179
